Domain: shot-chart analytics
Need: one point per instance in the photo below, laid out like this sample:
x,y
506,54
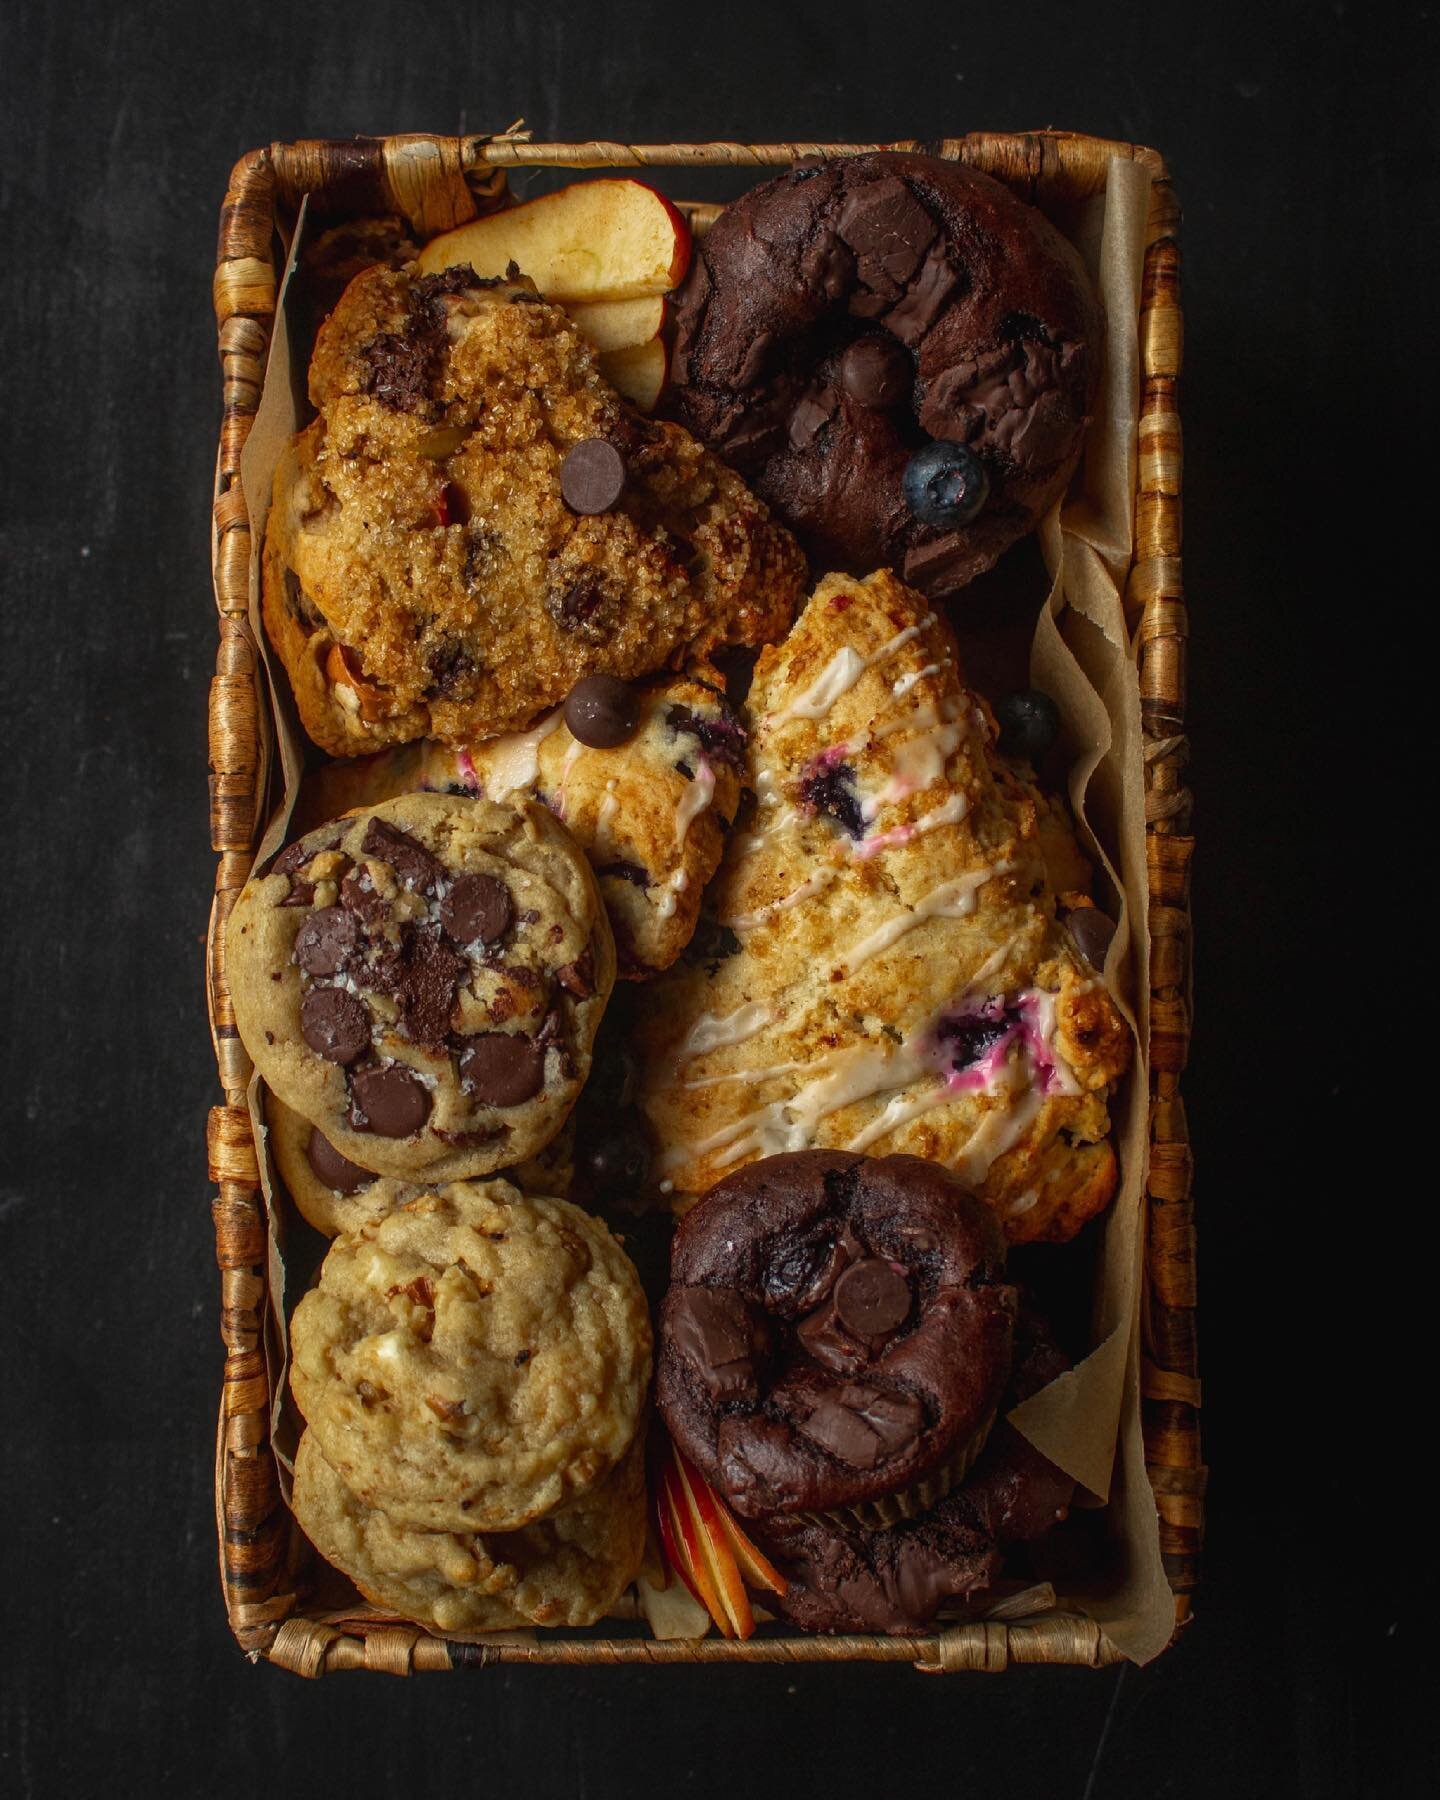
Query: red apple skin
x,y
757,1568
684,239
692,1566
724,1569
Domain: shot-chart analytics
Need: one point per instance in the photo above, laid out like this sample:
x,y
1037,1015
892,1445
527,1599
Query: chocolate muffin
x,y
897,354
847,1578
836,1335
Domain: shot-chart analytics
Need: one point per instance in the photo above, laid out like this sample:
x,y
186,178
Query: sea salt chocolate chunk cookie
x,y
422,982
568,1569
441,559
473,1360
647,790
899,356
334,1195
884,969
849,1578
836,1335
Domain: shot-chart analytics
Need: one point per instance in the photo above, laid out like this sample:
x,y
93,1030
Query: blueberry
x,y
968,1039
1029,724
945,485
832,791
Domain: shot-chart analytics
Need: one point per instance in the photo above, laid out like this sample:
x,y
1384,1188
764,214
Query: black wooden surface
x,y
1301,136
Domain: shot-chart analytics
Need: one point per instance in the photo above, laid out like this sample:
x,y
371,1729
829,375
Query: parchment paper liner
x,y
1088,1420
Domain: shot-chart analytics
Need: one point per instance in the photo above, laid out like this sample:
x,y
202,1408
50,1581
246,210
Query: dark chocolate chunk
x,y
602,711
592,476
359,895
335,1171
412,862
871,1298
502,1068
478,909
390,1102
711,1328
889,231
876,372
578,977
428,976
813,412
926,298
302,892
824,1336
326,941
1091,932
864,1425
335,1025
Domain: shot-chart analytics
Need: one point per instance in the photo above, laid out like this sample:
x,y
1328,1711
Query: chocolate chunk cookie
x,y
422,982
851,315
474,1359
836,1335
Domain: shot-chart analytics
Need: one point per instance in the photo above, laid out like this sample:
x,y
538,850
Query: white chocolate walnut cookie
x,y
422,981
567,1569
473,1360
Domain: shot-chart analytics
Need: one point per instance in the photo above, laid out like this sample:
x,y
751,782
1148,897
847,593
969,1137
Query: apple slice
x,y
618,324
638,373
680,1534
723,1569
755,1566
593,240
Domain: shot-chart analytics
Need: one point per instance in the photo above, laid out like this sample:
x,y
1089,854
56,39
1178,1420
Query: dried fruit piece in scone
x,y
423,980
423,572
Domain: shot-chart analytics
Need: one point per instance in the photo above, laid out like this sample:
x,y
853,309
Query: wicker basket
x,y
436,183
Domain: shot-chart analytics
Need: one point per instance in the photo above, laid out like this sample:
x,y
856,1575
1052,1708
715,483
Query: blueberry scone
x,y
473,1360
567,1569
422,982
333,1194
475,522
647,789
885,970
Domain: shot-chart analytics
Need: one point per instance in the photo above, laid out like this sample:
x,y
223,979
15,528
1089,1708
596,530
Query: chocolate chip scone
x,y
423,982
648,791
333,1194
569,1568
474,1359
441,561
886,971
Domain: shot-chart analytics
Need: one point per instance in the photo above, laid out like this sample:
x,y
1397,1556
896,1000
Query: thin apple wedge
x,y
591,241
715,1546
755,1566
638,373
681,1535
618,324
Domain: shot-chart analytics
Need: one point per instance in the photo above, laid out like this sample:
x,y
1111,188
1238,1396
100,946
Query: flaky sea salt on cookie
x,y
473,1360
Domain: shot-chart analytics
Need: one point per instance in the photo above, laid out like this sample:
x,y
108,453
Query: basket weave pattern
x,y
436,183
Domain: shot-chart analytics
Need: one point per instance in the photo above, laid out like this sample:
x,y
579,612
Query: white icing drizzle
x,y
1000,1130
711,1031
697,796
747,1077
950,900
818,882
840,674
950,812
903,686
609,806
512,762
677,884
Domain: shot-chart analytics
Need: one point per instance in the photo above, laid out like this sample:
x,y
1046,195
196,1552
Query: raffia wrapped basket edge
x,y
439,182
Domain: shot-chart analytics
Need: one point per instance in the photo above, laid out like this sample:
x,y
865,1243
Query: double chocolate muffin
x,y
897,354
836,1337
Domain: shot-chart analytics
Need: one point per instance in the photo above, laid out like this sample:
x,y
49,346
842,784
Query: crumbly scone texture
x,y
884,970
568,1569
423,575
449,1056
475,1359
332,1210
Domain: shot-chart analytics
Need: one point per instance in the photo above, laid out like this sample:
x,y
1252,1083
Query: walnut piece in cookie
x,y
474,1359
424,573
422,981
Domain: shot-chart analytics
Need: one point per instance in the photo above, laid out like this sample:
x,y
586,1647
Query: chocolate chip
x,y
602,711
326,941
864,1425
478,909
872,1298
813,412
501,1068
1091,932
335,1025
412,862
302,892
578,977
359,895
876,372
424,984
390,1102
711,1329
592,476
333,1170
293,858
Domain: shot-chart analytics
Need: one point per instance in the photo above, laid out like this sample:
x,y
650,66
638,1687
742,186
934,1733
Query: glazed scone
x,y
424,574
335,1195
422,981
474,1359
650,814
885,972
567,1569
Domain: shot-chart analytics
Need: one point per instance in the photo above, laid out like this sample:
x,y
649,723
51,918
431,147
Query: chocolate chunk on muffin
x,y
899,356
836,1335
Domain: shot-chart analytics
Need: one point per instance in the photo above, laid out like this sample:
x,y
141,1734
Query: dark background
x,y
1302,141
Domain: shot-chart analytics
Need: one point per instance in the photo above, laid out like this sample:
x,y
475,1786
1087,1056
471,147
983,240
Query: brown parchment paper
x,y
1089,1420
